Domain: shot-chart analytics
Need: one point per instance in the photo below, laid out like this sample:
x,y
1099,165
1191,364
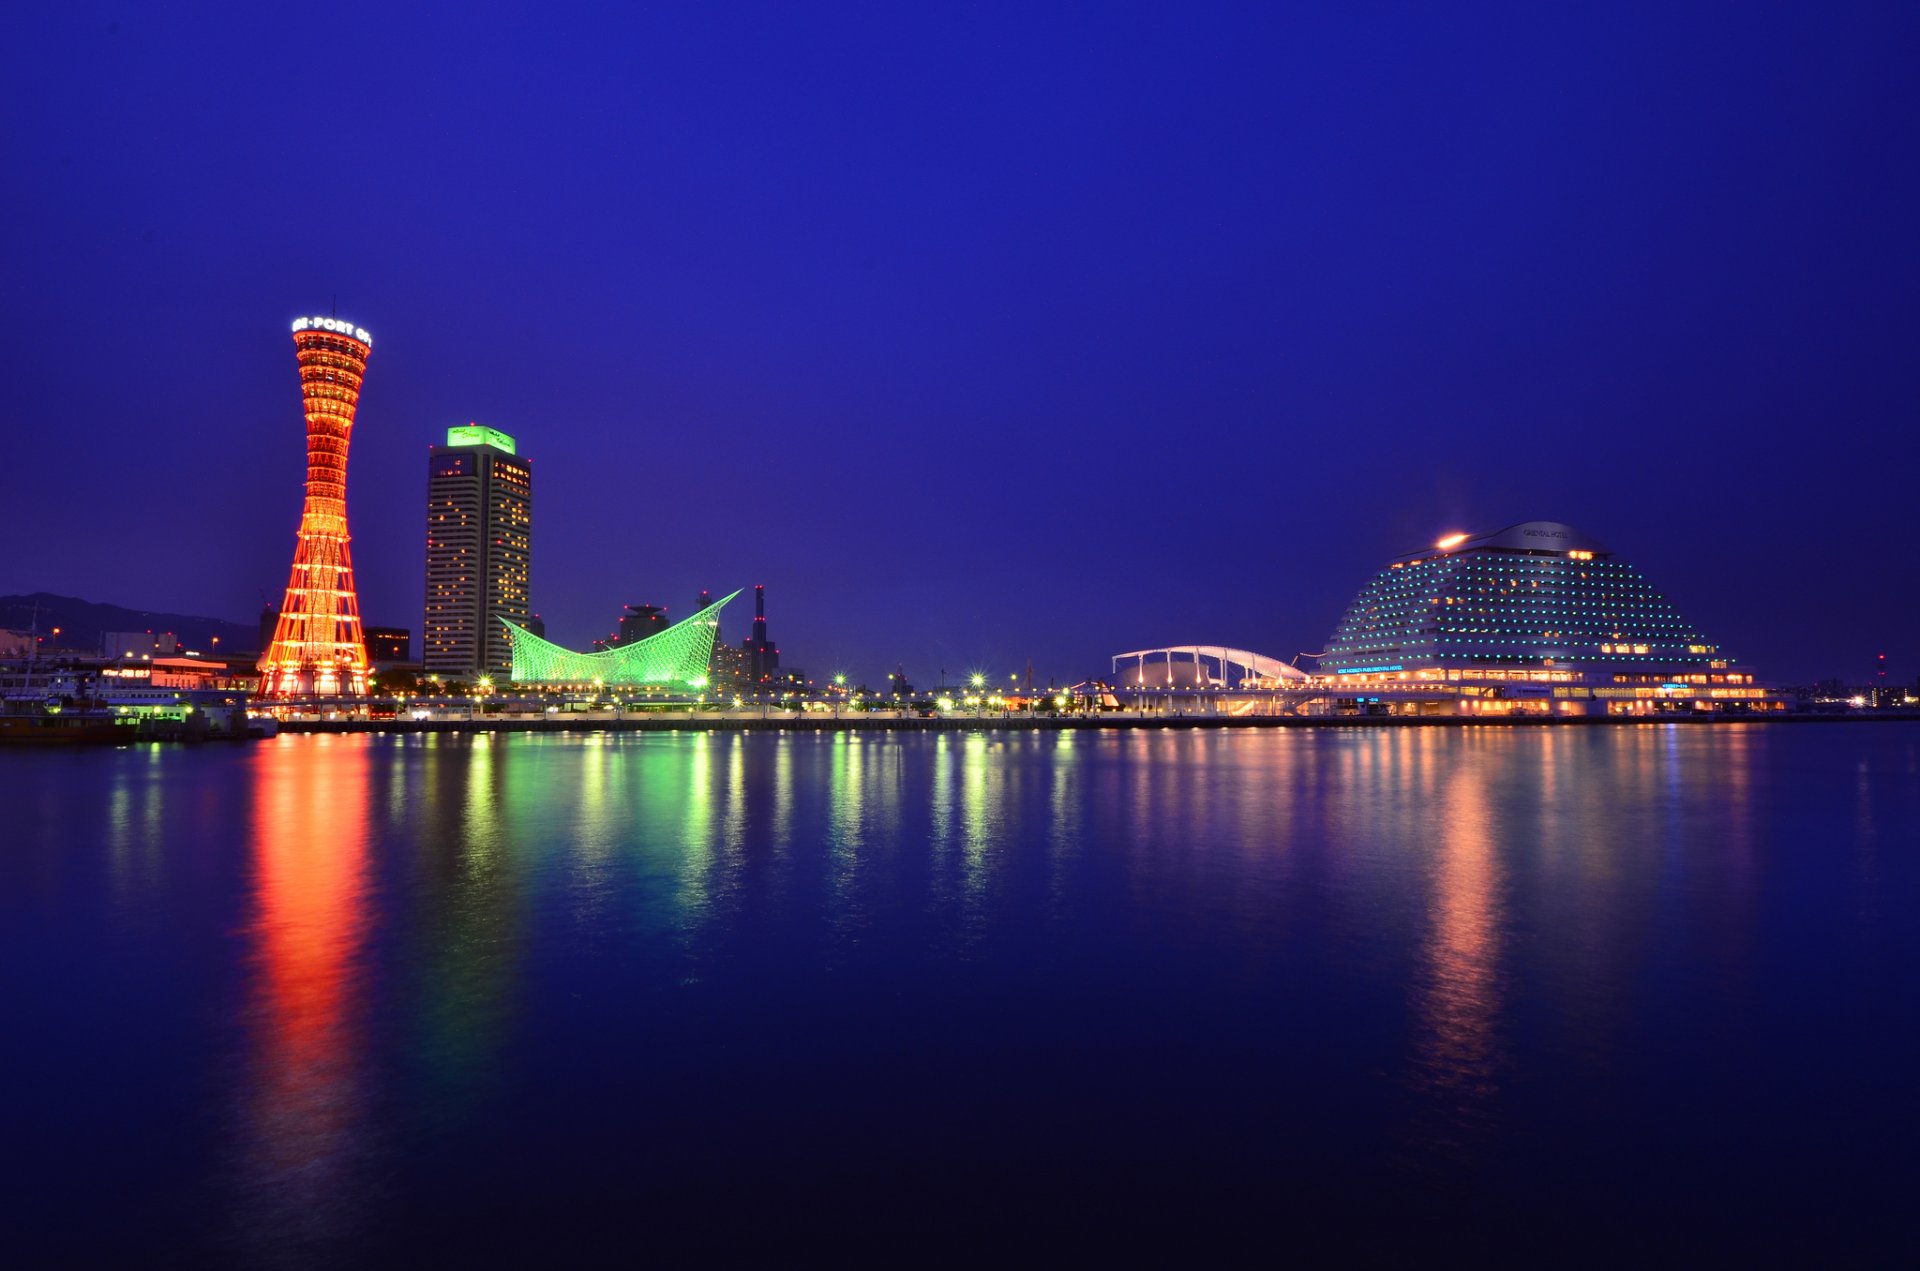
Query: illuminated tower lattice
x,y
317,646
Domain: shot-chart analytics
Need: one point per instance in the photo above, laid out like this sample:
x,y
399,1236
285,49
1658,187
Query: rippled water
x,y
321,996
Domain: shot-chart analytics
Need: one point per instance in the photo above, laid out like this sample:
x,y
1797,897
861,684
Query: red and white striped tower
x,y
317,646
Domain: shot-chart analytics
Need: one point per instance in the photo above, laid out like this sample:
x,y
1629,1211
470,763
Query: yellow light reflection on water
x,y
1459,984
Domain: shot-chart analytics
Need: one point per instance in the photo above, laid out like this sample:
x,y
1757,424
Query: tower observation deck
x,y
317,645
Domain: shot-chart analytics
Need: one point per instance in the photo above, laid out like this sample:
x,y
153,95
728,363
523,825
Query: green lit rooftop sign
x,y
475,435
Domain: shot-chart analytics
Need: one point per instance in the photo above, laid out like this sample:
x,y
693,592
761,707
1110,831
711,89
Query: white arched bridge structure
x,y
1204,666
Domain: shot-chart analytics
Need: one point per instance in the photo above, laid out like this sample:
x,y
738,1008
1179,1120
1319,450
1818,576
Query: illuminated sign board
x,y
475,435
334,324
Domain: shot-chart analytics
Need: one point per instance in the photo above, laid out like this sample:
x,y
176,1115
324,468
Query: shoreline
x,y
855,723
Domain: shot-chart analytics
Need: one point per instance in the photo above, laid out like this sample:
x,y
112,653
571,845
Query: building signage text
x,y
334,324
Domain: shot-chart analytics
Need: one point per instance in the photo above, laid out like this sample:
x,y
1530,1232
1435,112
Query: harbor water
x,y
322,997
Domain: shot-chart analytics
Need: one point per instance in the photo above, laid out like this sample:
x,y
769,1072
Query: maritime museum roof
x,y
678,655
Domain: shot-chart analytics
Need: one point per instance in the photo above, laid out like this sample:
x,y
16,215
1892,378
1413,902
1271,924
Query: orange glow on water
x,y
308,929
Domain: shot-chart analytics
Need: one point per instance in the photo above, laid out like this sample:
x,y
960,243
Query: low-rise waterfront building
x,y
95,699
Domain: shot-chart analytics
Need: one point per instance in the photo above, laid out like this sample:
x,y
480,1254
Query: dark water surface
x,y
321,996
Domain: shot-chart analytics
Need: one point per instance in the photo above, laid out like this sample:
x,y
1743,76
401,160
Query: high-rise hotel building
x,y
479,541
1536,614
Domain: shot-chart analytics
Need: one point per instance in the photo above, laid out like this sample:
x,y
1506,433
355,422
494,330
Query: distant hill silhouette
x,y
81,623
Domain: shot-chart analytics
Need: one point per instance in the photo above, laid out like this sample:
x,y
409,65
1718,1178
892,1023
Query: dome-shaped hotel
x,y
1537,616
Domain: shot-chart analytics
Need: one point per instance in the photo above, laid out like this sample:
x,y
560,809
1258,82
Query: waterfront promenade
x,y
736,721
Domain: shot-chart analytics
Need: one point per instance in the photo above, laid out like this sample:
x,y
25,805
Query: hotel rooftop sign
x,y
475,435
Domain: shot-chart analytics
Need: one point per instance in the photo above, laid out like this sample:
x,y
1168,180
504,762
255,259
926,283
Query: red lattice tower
x,y
317,645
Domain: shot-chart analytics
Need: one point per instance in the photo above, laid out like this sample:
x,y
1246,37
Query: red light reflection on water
x,y
303,1104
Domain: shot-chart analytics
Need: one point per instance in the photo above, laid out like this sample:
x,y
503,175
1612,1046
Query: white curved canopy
x,y
1249,662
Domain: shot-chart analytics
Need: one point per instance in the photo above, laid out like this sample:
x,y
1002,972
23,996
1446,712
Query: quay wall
x,y
683,721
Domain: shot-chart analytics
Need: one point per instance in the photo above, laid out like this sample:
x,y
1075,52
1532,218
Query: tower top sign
x,y
335,325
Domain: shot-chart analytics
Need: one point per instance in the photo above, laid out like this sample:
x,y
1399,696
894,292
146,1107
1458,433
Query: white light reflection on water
x,y
847,837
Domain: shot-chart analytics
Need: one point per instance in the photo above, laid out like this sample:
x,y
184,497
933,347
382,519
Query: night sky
x,y
980,333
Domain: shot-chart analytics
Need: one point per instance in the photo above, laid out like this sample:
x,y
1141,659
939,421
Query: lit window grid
x,y
1503,607
479,541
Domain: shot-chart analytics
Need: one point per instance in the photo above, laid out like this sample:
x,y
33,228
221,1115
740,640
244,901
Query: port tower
x,y
317,646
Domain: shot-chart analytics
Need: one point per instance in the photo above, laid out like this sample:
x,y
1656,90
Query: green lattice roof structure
x,y
678,655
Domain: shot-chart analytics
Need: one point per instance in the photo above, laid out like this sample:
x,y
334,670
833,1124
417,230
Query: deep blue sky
x,y
981,332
